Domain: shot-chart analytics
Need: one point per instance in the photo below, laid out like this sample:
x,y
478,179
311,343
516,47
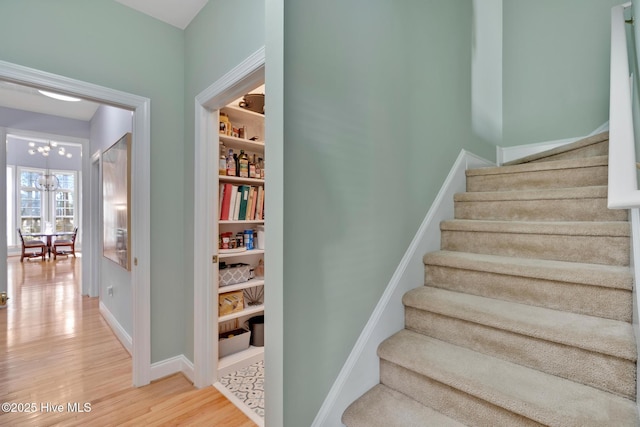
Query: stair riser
x,y
602,249
572,297
597,370
599,149
540,210
448,400
560,178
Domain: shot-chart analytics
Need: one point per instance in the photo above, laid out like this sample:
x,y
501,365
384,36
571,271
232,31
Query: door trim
x,y
235,83
141,206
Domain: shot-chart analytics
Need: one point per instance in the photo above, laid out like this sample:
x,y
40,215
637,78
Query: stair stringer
x,y
361,371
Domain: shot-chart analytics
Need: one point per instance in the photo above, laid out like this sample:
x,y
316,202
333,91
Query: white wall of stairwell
x,y
361,370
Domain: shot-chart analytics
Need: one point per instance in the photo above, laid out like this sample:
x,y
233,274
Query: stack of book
x,y
241,202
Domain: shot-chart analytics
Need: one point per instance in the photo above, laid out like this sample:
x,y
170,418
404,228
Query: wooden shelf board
x,y
248,221
235,142
232,179
245,312
238,286
244,111
245,253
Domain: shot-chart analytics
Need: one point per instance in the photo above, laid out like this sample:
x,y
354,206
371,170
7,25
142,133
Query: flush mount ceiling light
x,y
46,148
59,96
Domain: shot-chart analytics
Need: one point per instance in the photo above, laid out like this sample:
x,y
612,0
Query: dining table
x,y
49,237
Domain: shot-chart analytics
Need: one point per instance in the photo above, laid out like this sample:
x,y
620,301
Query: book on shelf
x,y
244,200
238,198
241,202
225,199
260,204
250,204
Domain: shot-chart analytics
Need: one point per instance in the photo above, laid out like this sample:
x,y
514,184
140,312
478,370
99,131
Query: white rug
x,y
247,385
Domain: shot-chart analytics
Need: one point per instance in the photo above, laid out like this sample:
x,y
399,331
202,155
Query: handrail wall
x,y
623,182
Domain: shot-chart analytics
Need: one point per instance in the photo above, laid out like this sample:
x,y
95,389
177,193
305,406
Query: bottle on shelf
x,y
222,162
236,160
252,167
243,160
258,172
261,162
231,163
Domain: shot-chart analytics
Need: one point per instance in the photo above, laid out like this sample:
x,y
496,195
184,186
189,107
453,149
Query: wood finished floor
x,y
58,350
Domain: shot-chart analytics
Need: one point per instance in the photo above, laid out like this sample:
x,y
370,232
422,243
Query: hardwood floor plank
x,y
59,351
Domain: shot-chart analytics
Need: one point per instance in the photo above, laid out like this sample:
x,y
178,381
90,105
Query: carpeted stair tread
x,y
383,407
574,146
609,276
552,204
545,398
593,192
587,162
604,336
565,228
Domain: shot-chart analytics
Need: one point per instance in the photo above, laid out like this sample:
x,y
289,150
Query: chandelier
x,y
47,181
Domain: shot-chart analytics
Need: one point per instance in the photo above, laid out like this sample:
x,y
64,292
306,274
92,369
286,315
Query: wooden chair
x,y
58,244
32,244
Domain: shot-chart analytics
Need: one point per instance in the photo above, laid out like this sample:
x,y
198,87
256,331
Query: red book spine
x,y
226,201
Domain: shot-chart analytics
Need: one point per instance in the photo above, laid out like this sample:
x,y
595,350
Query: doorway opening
x,y
140,209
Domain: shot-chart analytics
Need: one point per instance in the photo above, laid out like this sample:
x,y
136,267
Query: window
x,y
11,231
38,207
65,207
30,217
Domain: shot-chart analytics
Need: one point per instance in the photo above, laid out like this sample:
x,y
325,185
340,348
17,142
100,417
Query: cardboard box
x,y
230,302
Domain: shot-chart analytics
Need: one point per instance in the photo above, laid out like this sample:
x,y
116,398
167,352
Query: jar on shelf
x,y
225,124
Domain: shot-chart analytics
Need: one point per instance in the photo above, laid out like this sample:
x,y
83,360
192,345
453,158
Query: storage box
x,y
233,273
233,342
230,302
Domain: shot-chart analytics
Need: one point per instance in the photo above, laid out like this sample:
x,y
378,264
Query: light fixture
x,y
47,182
59,97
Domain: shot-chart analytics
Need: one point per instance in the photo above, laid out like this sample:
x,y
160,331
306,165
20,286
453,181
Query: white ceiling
x,y
178,13
29,99
175,12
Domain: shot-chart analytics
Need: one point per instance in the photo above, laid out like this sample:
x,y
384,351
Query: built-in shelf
x,y
246,312
235,361
244,285
248,221
244,111
237,179
238,254
242,144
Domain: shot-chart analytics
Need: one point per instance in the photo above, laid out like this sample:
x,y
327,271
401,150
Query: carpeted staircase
x,y
525,316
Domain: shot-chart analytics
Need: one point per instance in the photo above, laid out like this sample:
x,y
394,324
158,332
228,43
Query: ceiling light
x,y
31,151
32,144
69,155
59,96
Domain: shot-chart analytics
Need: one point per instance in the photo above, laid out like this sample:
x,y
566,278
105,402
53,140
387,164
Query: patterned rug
x,y
247,385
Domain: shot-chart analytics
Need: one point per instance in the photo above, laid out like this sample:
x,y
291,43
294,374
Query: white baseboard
x,y
171,366
507,154
117,329
161,369
361,370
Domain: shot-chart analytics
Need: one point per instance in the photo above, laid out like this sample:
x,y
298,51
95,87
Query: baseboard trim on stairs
x,y
361,369
635,259
507,154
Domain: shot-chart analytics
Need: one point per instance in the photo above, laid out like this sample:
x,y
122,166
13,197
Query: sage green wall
x,y
555,68
377,108
105,43
221,36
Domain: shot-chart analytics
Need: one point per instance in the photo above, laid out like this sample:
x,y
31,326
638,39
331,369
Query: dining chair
x,y
32,244
70,244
